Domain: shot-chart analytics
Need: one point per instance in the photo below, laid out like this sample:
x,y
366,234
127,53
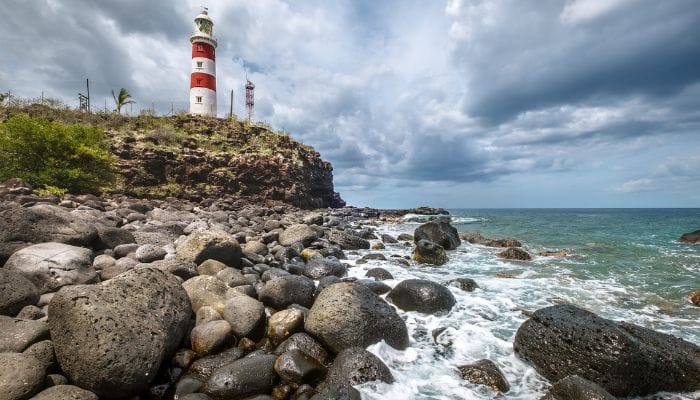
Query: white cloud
x,y
636,185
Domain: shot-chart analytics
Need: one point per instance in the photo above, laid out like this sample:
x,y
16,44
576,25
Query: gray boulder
x,y
244,377
21,376
466,284
210,337
206,290
691,237
485,372
624,359
246,316
52,265
347,315
427,252
65,392
574,387
354,366
111,338
298,233
283,324
439,231
515,253
303,342
205,366
347,240
284,291
422,295
313,219
109,237
319,267
18,334
149,252
297,367
16,291
379,274
216,245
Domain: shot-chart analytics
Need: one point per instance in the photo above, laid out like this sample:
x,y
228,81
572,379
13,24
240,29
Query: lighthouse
x,y
203,77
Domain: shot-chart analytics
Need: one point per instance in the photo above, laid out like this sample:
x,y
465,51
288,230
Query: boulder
x,y
109,237
389,239
440,232
111,338
244,377
694,297
405,237
354,366
624,359
379,274
346,315
337,392
206,290
148,253
205,366
427,252
246,316
176,266
692,237
256,247
318,267
515,253
16,291
52,265
231,277
313,219
573,387
303,342
212,267
216,245
298,233
476,238
347,240
284,291
297,367
466,284
485,372
377,287
210,337
21,376
283,324
43,351
18,334
65,392
422,295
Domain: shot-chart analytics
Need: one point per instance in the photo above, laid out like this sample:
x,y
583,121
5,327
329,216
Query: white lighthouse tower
x,y
203,78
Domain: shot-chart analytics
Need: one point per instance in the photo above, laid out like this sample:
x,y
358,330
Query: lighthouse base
x,y
202,101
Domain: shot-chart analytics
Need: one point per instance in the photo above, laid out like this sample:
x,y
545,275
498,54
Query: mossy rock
x,y
427,252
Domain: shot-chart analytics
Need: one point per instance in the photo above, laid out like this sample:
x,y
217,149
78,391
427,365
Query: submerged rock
x,y
485,372
439,231
514,253
476,238
694,297
354,366
692,237
624,359
422,295
574,387
427,252
466,284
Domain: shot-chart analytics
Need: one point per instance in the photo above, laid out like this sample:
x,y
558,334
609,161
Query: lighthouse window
x,y
199,81
199,64
199,47
198,99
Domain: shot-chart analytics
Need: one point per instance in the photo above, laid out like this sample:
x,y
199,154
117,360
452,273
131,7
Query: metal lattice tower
x,y
249,98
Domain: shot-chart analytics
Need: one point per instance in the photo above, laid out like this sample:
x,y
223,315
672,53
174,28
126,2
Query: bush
x,y
43,153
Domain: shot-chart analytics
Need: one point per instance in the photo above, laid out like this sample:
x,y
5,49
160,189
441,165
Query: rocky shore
x,y
121,298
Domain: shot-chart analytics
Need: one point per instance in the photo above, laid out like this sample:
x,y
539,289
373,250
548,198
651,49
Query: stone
x,y
303,342
573,387
31,312
283,324
427,252
18,334
109,237
231,277
423,296
296,367
379,274
297,233
624,359
103,261
256,247
378,246
347,240
313,219
466,284
694,297
354,366
440,232
246,316
124,249
405,237
210,337
337,392
346,315
389,239
216,245
43,351
691,237
477,238
21,375
376,286
485,372
205,366
319,267
284,291
149,252
244,377
211,267
16,292
176,266
111,338
369,257
205,290
50,266
515,253
65,392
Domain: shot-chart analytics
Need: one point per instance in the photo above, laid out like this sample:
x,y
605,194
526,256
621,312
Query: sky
x,y
457,103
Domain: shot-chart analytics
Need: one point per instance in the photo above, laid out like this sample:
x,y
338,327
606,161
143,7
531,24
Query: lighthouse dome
x,y
203,15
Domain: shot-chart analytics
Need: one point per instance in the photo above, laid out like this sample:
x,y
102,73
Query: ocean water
x,y
626,265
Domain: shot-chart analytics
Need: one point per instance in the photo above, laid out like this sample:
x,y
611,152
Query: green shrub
x,y
43,153
49,190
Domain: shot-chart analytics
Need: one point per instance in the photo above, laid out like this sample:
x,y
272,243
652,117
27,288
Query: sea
x,y
625,264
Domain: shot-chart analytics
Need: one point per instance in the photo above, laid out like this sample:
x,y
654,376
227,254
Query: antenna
x,y
249,97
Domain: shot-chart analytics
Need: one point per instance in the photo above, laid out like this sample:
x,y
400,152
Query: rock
x,y
466,284
318,267
427,252
30,312
560,253
624,359
305,343
216,245
573,387
514,253
694,297
692,237
243,377
379,274
176,266
405,237
52,265
109,237
371,256
207,314
21,376
246,316
478,239
65,392
148,253
375,286
378,246
298,233
337,392
296,367
347,241
103,261
16,292
43,351
390,239
256,247
422,295
210,337
313,219
205,290
440,232
231,277
346,315
211,267
18,334
287,290
124,249
111,338
204,367
354,366
485,372
42,223
283,324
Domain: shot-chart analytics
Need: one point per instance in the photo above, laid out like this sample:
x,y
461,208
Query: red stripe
x,y
200,79
207,50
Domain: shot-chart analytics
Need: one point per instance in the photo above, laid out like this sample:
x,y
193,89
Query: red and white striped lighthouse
x,y
203,78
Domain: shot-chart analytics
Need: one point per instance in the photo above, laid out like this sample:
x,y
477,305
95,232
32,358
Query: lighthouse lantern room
x,y
203,77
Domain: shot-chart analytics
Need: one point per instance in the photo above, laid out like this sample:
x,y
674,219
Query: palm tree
x,y
122,99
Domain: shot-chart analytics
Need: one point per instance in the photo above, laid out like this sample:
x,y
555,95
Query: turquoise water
x,y
626,265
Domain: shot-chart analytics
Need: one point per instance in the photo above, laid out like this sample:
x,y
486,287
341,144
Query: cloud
x,y
636,185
